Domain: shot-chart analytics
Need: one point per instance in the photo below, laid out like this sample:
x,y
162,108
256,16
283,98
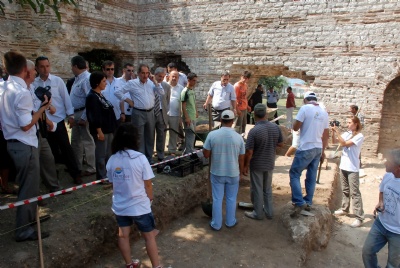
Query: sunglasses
x,y
109,69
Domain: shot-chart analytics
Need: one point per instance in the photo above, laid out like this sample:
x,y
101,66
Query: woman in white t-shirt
x,y
131,174
349,169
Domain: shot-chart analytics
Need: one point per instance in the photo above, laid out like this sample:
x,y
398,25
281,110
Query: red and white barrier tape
x,y
173,159
41,197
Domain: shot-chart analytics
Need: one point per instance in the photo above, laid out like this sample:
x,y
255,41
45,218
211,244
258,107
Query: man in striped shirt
x,y
260,157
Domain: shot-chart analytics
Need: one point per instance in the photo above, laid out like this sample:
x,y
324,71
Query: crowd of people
x,y
117,122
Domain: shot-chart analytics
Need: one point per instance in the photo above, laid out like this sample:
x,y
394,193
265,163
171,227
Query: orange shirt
x,y
241,100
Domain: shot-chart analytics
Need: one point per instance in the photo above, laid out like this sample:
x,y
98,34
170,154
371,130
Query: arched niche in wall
x,y
390,120
162,60
259,71
96,57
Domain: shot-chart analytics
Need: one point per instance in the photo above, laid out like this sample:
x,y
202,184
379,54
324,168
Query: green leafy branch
x,y
276,82
39,6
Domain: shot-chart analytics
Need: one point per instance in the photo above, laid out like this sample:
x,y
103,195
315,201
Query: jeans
x,y
231,187
190,137
377,238
261,193
350,186
308,159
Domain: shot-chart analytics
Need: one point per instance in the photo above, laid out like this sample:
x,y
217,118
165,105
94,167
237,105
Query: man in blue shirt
x,y
227,149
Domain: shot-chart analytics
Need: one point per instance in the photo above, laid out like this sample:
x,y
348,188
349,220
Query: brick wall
x,y
348,50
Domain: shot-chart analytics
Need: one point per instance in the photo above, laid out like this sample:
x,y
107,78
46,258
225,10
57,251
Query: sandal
x,y
134,264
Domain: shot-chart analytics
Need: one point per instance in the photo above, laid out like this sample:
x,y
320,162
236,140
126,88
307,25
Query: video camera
x,y
40,92
334,123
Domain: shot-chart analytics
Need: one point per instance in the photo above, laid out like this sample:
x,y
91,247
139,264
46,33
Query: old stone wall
x,y
347,49
107,25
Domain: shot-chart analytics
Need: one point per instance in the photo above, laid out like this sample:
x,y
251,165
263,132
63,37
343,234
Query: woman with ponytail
x,y
351,141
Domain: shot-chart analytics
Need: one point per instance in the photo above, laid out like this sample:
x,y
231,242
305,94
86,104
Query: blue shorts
x,y
145,223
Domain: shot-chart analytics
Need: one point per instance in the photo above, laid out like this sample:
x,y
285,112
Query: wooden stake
x,y
39,233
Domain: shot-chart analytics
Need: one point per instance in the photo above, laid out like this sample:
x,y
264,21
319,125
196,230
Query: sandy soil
x,y
189,242
82,223
345,246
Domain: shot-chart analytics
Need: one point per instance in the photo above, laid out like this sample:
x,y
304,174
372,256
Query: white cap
x,y
310,94
227,115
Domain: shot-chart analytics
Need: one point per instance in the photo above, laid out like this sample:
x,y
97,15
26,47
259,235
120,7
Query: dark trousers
x,y
59,140
26,160
48,172
274,105
145,123
102,153
160,135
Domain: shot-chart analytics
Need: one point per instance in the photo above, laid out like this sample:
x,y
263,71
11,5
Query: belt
x,y
13,140
222,109
79,109
143,110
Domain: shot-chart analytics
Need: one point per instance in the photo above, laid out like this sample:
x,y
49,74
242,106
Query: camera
x,y
40,92
334,123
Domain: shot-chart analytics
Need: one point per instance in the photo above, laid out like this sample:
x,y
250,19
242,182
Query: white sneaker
x,y
356,223
340,212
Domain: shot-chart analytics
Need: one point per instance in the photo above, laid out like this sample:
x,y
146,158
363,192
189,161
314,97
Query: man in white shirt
x,y
182,77
142,98
19,127
58,140
313,123
182,80
222,95
48,172
81,140
174,113
112,86
128,73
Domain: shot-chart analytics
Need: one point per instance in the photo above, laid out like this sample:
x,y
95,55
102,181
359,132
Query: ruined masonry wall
x,y
347,49
350,48
94,25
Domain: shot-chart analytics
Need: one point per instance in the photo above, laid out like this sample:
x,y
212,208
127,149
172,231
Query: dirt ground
x,y
83,230
189,242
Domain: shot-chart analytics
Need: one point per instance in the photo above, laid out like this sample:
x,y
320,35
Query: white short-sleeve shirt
x,y
128,170
175,101
350,156
315,121
390,217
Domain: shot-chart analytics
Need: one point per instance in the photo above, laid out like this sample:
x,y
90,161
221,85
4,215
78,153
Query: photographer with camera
x,y
351,141
19,128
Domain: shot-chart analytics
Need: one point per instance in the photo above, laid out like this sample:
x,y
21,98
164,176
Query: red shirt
x,y
290,100
241,100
